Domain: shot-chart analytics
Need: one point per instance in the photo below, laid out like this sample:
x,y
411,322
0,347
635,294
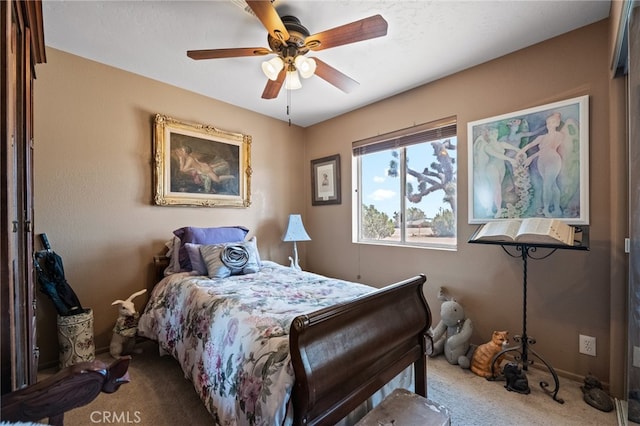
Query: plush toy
x,y
452,334
123,339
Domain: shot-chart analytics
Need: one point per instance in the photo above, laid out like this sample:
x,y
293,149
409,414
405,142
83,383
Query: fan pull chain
x,y
288,106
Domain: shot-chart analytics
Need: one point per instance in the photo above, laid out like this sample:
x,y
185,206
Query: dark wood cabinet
x,y
22,48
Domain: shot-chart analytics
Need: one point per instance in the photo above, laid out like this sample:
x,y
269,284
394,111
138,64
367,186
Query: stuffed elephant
x,y
452,334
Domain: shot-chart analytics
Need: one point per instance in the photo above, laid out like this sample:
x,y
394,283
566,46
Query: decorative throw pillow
x,y
223,260
254,264
208,236
197,263
213,260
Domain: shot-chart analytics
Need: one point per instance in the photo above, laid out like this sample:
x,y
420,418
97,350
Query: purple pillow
x,y
218,235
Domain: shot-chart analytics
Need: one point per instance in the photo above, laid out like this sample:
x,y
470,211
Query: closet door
x,y
22,47
633,75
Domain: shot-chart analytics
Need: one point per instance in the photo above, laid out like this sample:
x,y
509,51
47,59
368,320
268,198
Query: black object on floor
x,y
594,395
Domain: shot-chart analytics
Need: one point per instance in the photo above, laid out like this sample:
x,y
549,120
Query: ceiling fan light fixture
x,y
292,82
272,67
306,66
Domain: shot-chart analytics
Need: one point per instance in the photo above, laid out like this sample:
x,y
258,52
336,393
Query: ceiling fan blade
x,y
364,29
273,87
335,77
269,17
227,53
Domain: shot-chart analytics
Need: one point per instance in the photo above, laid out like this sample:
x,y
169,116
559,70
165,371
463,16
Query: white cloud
x,y
380,179
382,194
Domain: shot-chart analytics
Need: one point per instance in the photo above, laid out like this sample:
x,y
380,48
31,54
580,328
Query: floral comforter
x,y
231,335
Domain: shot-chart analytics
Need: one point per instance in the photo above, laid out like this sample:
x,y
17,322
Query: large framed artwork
x,y
531,163
200,165
325,181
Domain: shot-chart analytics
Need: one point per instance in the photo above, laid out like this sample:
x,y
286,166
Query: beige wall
x,y
93,192
569,291
93,181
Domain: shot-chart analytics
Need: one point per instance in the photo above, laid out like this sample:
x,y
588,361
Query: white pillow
x,y
174,262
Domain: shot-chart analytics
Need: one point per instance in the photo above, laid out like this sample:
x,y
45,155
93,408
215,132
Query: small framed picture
x,y
325,180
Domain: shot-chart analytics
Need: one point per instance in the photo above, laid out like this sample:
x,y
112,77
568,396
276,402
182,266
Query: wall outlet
x,y
587,345
636,356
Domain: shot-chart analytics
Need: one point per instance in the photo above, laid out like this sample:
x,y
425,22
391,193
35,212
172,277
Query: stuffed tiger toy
x,y
483,355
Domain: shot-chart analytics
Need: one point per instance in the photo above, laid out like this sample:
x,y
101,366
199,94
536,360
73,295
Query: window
x,y
405,187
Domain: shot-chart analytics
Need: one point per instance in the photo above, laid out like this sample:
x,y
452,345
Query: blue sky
x,y
384,191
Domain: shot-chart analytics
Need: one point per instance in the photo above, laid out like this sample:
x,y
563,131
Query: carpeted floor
x,y
159,395
475,401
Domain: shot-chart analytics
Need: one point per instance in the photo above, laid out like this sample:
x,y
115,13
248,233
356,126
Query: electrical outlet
x,y
587,345
636,356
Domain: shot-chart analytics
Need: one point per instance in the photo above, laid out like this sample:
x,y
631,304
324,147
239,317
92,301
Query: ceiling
x,y
426,40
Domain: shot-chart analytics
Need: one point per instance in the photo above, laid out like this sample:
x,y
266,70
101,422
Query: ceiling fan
x,y
291,41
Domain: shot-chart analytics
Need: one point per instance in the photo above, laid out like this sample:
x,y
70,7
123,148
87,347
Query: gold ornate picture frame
x,y
200,165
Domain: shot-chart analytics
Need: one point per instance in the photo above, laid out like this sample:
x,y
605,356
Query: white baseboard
x,y
621,412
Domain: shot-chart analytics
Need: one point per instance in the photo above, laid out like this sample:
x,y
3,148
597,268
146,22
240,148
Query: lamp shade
x,y
292,81
295,230
306,66
272,67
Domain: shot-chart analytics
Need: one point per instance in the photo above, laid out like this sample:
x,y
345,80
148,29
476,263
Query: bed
x,y
280,346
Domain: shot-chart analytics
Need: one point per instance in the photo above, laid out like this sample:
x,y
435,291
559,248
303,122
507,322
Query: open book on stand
x,y
534,230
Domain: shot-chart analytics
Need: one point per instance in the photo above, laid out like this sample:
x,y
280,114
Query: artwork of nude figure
x,y
202,166
528,165
552,156
491,166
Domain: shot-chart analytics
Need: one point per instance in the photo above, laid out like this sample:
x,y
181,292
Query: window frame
x,y
399,141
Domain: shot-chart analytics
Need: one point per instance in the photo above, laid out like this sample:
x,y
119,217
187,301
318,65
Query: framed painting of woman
x,y
200,165
531,163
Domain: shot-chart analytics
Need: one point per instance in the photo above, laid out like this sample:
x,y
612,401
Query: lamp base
x,y
294,264
294,261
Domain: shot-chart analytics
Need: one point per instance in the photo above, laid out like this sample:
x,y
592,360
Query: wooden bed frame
x,y
343,354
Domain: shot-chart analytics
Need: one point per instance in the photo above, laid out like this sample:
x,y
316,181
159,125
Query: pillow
x,y
211,256
172,253
254,246
223,260
254,263
197,263
218,235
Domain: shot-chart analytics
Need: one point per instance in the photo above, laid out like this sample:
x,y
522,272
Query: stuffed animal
x,y
123,339
452,334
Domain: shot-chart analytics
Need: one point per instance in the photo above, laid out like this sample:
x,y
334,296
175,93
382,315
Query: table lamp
x,y
295,232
